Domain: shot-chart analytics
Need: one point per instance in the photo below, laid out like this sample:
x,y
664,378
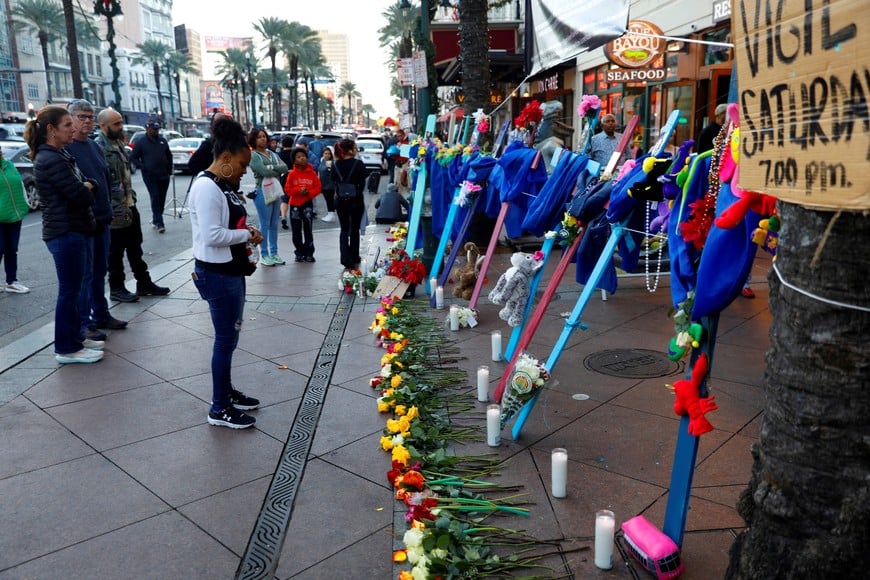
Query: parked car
x,y
317,141
168,134
182,149
371,153
9,131
21,160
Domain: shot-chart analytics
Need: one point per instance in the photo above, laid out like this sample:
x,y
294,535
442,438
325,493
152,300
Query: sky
x,y
359,19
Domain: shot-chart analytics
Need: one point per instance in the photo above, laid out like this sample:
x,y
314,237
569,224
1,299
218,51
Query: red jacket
x,y
299,179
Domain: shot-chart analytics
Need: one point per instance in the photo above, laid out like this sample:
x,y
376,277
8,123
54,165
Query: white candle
x,y
439,297
364,267
496,345
605,526
559,472
454,317
483,383
493,418
433,283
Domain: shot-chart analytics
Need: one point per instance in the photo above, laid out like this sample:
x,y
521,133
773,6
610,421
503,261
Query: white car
x,y
371,153
182,149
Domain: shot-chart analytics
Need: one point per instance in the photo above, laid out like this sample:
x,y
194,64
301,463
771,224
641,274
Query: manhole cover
x,y
631,363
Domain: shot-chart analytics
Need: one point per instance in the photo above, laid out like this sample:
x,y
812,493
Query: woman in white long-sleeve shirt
x,y
220,236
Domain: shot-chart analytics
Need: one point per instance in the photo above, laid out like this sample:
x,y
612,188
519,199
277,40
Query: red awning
x,y
390,122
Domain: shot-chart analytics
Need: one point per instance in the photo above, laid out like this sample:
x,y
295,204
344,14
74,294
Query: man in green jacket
x,y
126,227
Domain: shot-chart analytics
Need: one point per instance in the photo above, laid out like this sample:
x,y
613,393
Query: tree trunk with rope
x,y
807,506
474,52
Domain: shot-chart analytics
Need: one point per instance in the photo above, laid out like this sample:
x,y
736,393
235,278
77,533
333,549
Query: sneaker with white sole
x,y
266,261
93,344
16,288
277,260
85,355
329,217
242,402
230,417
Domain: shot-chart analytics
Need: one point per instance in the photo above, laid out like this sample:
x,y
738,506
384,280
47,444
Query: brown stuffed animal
x,y
466,277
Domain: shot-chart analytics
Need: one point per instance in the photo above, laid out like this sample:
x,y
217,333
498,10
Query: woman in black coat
x,y
349,169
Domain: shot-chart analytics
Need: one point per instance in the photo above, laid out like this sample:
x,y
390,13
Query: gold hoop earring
x,y
228,174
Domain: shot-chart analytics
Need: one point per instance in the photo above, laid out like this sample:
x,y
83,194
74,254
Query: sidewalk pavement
x,y
111,471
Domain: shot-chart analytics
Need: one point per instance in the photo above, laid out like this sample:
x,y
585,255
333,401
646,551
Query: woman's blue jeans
x,y
69,252
269,215
226,303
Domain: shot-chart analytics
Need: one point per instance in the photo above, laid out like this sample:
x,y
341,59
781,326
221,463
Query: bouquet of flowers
x,y
405,268
588,109
467,317
481,121
569,230
528,376
467,192
352,280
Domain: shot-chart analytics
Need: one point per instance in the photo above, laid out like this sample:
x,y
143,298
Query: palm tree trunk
x,y
276,91
159,93
474,51
73,49
807,507
43,44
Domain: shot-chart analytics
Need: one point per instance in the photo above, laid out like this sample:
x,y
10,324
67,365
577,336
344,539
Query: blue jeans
x,y
226,303
69,252
93,306
10,234
269,215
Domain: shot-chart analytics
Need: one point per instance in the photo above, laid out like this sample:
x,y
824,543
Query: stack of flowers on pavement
x,y
351,281
450,530
527,378
406,268
467,317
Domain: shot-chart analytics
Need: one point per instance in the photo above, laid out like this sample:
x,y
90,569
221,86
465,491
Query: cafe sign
x,y
633,50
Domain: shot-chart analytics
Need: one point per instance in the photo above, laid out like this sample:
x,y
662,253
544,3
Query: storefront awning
x,y
457,113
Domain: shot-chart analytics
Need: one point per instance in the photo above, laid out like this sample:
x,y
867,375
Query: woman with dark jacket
x,y
326,185
349,169
66,199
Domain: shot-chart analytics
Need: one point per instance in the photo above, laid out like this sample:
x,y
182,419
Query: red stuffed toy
x,y
689,400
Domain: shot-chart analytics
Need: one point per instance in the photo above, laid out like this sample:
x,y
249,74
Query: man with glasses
x,y
93,306
152,154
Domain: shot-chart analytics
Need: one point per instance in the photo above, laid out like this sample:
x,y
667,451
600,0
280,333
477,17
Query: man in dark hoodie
x,y
152,154
93,306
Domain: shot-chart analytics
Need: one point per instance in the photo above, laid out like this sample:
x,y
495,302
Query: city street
x,y
24,313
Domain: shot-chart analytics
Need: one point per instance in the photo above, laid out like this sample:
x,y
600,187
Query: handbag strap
x,y
338,171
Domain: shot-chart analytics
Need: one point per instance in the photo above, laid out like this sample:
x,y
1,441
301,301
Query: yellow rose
x,y
395,381
386,443
383,406
401,455
394,426
401,410
413,413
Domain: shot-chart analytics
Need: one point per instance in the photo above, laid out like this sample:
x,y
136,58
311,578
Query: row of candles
x,y
605,521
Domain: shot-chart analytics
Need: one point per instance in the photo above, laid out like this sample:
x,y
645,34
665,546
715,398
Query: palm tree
x,y
348,89
43,18
311,64
153,52
72,48
368,111
397,34
230,71
177,63
806,506
474,52
273,30
293,44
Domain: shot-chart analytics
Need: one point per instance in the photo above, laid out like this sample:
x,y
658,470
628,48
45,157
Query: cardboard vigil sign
x,y
804,87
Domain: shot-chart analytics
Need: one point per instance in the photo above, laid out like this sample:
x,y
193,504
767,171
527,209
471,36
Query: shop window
x,y
717,54
681,97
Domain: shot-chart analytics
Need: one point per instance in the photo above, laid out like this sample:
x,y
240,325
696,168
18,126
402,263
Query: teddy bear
x,y
466,277
512,288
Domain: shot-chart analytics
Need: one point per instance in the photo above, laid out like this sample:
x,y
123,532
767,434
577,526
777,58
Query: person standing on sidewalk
x,y
66,199
125,231
93,306
286,155
268,167
13,208
349,169
152,154
218,222
301,187
327,187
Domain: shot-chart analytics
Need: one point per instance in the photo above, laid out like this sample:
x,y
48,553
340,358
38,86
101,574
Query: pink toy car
x,y
655,551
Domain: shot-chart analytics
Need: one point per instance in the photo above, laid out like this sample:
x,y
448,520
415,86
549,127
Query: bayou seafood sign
x,y
637,55
804,85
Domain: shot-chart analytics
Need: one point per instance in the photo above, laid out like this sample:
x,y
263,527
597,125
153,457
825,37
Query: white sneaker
x,y
329,217
16,288
93,344
85,355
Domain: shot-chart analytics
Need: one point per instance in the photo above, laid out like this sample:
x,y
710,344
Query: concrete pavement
x,y
110,470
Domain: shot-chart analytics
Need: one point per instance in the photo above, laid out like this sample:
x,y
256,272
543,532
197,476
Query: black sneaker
x,y
111,323
310,259
123,295
299,259
284,225
151,289
232,418
243,402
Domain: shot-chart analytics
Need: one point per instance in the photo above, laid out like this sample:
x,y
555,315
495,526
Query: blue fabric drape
x,y
545,211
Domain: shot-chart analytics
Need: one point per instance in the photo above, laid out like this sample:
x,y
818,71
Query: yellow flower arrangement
x,y
396,381
400,454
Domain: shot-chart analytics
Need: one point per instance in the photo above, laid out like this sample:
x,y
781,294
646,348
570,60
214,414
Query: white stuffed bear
x,y
512,289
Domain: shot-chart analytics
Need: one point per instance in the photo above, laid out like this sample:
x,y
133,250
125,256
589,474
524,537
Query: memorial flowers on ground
x,y
448,500
528,376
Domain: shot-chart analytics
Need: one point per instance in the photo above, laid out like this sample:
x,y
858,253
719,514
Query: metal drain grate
x,y
632,363
264,545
